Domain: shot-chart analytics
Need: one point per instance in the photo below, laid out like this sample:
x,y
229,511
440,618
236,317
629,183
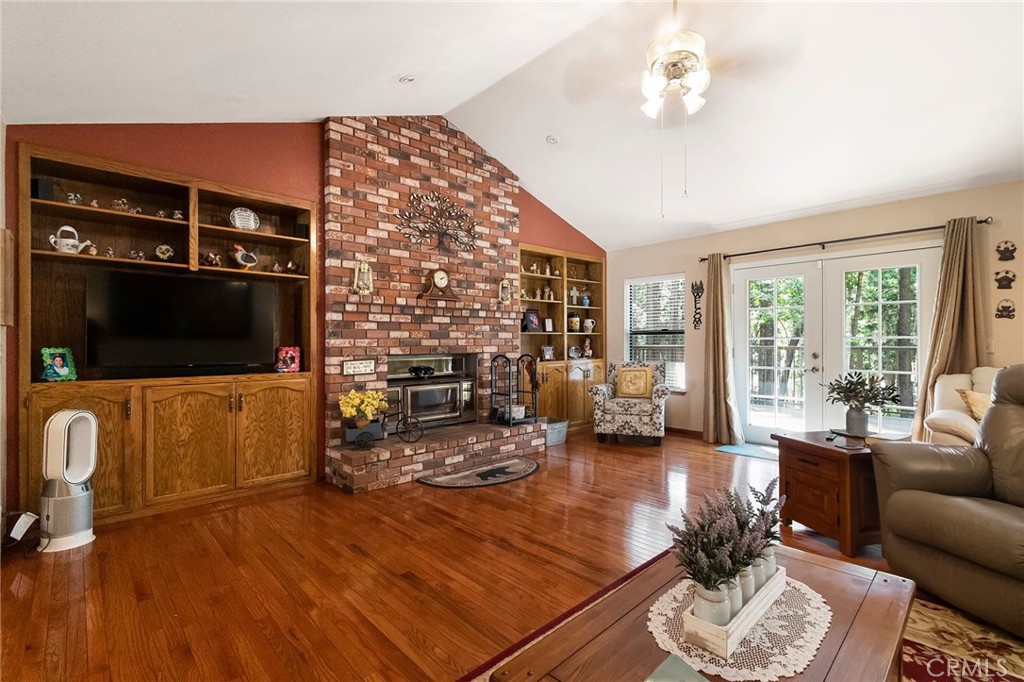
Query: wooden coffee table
x,y
610,641
828,488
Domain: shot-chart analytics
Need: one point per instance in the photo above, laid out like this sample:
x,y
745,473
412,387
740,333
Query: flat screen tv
x,y
143,321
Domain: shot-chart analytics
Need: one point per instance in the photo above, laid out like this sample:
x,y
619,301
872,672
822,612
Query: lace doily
x,y
781,644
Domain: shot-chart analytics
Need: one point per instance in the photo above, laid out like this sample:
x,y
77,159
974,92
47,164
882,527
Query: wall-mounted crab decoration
x,y
433,215
1006,310
1006,250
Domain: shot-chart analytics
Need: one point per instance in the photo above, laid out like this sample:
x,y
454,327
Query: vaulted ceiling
x,y
812,106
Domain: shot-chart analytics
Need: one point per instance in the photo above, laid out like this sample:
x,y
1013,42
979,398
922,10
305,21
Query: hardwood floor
x,y
406,583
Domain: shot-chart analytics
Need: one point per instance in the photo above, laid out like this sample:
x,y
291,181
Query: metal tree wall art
x,y
433,215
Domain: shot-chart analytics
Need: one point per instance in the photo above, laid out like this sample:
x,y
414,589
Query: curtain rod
x,y
823,244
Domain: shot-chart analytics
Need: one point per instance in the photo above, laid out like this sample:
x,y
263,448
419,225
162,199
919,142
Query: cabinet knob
x,y
128,409
241,402
231,403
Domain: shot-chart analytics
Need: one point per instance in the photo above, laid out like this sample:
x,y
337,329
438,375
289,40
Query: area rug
x,y
751,450
495,473
941,644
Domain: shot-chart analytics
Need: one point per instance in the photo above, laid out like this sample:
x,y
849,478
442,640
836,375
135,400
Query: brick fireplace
x,y
373,165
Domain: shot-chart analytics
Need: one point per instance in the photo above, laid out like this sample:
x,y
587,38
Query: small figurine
x,y
178,215
94,203
536,294
547,293
522,293
137,255
119,205
586,298
164,252
246,259
92,250
161,213
276,267
588,348
557,273
293,268
211,260
135,211
533,268
551,295
547,269
574,294
109,252
74,198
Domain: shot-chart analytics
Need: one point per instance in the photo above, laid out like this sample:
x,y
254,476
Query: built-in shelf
x,y
584,307
104,260
59,209
539,276
537,300
541,333
582,281
250,237
584,333
237,272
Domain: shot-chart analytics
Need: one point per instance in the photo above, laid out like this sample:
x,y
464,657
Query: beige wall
x,y
1004,202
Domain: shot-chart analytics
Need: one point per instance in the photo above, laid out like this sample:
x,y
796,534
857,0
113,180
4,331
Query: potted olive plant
x,y
860,393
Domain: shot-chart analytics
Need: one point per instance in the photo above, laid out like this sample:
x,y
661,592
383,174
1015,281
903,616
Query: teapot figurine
x,y
68,244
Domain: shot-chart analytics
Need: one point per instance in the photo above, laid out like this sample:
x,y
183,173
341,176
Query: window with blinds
x,y
657,325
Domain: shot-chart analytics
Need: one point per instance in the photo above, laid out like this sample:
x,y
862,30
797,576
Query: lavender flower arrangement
x,y
726,534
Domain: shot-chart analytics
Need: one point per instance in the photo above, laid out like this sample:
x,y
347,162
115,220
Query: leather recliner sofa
x,y
953,516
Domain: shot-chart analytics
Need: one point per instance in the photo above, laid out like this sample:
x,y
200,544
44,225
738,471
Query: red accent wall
x,y
540,226
283,158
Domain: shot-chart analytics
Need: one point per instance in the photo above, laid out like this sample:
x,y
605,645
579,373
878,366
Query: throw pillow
x,y
977,403
634,382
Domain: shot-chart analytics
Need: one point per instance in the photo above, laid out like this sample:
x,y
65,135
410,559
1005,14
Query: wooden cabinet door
x,y
115,481
551,396
272,430
189,441
582,375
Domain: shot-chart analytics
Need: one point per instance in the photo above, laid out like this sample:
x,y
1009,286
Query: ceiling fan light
x,y
693,102
677,41
697,81
653,85
652,107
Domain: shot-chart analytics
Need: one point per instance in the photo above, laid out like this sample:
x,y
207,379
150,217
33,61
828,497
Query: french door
x,y
800,325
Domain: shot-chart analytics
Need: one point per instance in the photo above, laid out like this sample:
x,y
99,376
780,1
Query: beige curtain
x,y
958,324
721,416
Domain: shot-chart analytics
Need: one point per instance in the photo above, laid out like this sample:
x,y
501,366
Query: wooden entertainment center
x,y
167,438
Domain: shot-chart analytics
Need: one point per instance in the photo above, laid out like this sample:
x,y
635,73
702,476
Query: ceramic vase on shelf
x,y
712,605
760,575
735,597
746,580
856,422
768,554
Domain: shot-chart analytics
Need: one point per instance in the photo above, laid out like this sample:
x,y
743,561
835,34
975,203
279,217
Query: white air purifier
x,y
69,460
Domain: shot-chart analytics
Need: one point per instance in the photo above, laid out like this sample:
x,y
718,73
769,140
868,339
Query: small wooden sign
x,y
358,367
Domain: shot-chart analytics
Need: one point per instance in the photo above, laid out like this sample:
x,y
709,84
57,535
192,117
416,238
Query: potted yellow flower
x,y
360,407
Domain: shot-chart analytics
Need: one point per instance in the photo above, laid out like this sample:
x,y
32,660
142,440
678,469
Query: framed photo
x,y
58,365
547,353
549,324
531,320
288,359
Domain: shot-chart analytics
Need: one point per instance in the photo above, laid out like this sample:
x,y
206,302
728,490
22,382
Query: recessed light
x,y
551,139
408,78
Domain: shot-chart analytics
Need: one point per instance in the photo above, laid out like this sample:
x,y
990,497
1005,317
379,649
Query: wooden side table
x,y
829,489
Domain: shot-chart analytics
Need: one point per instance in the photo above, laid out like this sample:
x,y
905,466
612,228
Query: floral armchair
x,y
640,416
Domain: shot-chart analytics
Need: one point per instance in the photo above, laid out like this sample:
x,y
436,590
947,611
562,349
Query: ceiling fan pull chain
x,y
662,159
686,154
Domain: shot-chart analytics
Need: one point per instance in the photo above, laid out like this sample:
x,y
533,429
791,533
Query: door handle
x,y
241,402
128,409
231,403
812,370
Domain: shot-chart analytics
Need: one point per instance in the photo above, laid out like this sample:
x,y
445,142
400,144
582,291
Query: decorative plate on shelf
x,y
575,352
244,219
